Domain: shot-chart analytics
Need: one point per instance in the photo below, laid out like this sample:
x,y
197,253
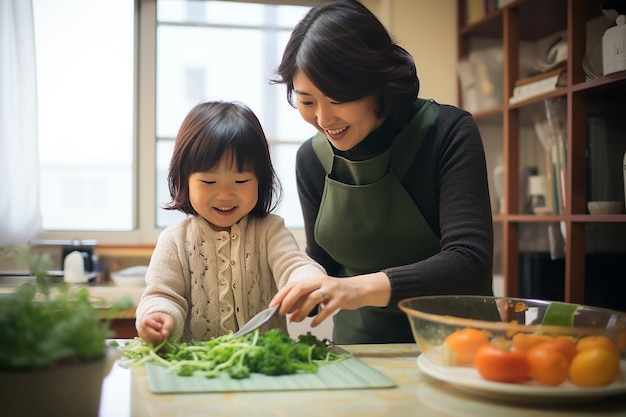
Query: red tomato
x,y
501,365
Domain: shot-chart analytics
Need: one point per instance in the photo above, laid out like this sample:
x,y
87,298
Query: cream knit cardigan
x,y
212,283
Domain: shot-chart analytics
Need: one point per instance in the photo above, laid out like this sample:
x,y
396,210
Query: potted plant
x,y
53,351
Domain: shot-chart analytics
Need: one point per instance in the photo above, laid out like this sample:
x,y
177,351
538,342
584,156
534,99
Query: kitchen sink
x,y
52,278
103,295
17,280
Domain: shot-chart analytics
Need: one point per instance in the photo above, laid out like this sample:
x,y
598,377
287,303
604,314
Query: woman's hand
x,y
332,294
155,327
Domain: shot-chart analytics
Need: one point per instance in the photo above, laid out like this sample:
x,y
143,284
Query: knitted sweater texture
x,y
213,282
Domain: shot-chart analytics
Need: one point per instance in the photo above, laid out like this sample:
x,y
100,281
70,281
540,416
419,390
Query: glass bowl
x,y
433,318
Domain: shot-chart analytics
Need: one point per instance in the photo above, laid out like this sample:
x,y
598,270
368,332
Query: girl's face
x,y
344,124
223,196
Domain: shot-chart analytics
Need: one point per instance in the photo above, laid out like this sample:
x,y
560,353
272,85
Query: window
x,y
85,69
115,87
225,50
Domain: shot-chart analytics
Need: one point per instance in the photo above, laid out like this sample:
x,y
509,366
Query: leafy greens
x,y
270,353
40,329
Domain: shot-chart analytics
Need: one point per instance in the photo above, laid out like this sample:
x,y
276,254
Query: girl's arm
x,y
287,261
165,286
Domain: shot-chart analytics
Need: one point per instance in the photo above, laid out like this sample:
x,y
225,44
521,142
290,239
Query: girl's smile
x,y
223,196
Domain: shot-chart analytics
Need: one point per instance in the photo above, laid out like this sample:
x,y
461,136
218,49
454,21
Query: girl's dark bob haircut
x,y
348,54
211,131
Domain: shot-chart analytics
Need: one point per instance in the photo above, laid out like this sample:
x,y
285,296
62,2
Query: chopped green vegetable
x,y
559,314
272,353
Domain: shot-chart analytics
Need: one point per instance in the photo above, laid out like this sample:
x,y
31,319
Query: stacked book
x,y
537,85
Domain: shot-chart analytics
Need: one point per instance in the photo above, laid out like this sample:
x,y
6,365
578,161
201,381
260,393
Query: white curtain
x,y
20,218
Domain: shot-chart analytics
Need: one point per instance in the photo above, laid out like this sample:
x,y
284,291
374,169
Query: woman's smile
x,y
344,124
336,134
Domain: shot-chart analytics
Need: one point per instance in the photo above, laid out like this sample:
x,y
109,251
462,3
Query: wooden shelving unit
x,y
519,23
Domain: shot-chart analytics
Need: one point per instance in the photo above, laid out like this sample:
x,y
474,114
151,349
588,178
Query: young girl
x,y
213,271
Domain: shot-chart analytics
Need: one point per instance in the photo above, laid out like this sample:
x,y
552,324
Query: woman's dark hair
x,y
210,131
348,54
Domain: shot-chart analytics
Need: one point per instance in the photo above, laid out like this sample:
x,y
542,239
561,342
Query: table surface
x,y
125,392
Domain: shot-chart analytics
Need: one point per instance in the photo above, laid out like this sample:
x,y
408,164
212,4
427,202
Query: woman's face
x,y
223,196
344,124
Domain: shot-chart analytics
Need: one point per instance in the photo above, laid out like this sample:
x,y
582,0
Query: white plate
x,y
468,379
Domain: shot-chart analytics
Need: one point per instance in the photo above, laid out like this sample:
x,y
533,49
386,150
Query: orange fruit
x,y
524,341
547,365
460,346
595,341
594,367
621,341
566,346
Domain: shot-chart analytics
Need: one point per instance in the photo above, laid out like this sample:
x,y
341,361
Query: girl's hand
x,y
332,294
155,327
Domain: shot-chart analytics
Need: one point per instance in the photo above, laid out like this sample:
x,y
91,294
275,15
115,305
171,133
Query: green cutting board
x,y
348,374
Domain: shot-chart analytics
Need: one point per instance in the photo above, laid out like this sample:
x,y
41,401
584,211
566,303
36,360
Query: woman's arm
x,y
457,206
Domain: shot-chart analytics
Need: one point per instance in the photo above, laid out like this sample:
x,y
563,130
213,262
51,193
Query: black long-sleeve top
x,y
448,182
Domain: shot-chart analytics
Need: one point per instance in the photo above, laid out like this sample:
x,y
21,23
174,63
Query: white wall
x,y
428,30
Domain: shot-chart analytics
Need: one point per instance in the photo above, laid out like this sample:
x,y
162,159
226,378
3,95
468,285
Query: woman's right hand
x,y
332,294
155,327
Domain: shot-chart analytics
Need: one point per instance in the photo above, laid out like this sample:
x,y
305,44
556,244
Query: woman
x,y
393,188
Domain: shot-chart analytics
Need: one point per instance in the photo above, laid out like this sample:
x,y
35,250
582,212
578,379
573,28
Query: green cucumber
x,y
559,314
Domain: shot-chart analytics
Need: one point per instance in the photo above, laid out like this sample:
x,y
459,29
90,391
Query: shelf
x,y
491,116
488,27
598,218
510,139
578,218
609,87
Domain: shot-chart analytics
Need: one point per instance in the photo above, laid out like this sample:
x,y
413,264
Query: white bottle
x,y
537,194
74,268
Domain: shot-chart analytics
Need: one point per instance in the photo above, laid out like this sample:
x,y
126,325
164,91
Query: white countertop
x,y
126,393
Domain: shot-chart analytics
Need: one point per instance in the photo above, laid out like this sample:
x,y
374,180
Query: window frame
x,y
144,231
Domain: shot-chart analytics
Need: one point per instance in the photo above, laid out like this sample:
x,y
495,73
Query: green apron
x,y
368,222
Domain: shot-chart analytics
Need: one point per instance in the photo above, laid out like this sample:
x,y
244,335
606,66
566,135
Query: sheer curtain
x,y
20,218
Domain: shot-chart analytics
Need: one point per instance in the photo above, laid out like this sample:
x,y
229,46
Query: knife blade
x,y
256,321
